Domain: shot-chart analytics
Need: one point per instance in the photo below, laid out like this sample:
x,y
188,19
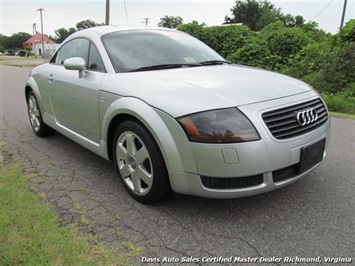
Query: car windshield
x,y
143,50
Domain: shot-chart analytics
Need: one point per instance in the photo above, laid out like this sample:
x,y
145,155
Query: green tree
x,y
254,14
292,21
62,33
299,21
85,24
258,14
14,42
3,42
347,34
247,12
170,22
268,14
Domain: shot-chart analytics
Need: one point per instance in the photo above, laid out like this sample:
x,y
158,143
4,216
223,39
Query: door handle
x,y
50,77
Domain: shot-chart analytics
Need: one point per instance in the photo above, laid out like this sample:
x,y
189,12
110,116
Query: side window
x,y
74,48
95,62
54,58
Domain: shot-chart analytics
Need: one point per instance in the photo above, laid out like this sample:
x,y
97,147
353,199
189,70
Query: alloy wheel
x,y
134,163
34,113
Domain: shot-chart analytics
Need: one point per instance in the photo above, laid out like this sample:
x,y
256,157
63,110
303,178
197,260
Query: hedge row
x,y
323,60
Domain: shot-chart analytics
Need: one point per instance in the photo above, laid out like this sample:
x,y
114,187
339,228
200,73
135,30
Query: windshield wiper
x,y
163,66
214,62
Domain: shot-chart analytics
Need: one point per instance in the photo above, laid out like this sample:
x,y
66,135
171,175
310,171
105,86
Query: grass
x,y
340,103
21,61
31,234
5,58
342,115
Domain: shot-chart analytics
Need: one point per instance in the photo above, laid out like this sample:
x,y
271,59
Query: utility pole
x,y
146,20
40,10
34,38
343,16
107,17
125,7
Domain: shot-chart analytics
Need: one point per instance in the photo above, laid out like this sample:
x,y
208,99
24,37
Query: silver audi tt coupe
x,y
174,116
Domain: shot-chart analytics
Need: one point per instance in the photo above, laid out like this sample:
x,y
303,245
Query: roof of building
x,y
37,39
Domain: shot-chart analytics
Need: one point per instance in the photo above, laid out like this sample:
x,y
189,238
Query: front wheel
x,y
140,164
35,116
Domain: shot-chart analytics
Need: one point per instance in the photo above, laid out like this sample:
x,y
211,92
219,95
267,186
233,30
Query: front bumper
x,y
251,168
252,182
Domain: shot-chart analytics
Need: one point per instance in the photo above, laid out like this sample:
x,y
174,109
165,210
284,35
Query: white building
x,y
36,43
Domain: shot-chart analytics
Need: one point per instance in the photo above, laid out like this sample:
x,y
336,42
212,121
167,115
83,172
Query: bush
x,y
283,43
193,29
325,61
347,33
340,103
225,40
252,54
309,60
313,32
337,70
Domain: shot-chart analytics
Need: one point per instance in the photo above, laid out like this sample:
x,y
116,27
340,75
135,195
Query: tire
x,y
140,164
35,116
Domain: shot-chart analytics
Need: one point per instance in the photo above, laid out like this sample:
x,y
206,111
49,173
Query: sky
x,y
19,16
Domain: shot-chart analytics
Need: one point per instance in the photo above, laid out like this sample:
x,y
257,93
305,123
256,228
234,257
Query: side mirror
x,y
75,63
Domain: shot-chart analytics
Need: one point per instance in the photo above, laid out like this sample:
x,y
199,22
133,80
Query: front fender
x,y
31,85
167,133
34,82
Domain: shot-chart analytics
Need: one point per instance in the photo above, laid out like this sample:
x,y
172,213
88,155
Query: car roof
x,y
102,30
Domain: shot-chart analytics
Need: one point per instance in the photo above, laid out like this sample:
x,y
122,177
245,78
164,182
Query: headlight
x,y
219,126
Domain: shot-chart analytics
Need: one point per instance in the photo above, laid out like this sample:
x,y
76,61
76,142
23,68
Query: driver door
x,y
74,100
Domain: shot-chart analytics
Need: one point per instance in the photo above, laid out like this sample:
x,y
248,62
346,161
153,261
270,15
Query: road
x,y
313,217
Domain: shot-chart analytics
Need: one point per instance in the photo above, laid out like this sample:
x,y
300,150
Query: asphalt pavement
x,y
309,222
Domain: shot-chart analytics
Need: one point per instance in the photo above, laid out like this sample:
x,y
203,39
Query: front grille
x,y
285,173
283,123
231,183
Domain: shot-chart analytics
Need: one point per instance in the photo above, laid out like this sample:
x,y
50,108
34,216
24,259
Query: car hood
x,y
188,90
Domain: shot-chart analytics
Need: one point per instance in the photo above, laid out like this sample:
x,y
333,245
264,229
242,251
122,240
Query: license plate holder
x,y
311,155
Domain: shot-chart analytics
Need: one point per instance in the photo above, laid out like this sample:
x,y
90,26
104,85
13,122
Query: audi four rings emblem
x,y
307,116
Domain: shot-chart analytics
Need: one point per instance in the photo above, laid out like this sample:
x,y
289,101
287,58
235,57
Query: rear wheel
x,y
35,116
140,163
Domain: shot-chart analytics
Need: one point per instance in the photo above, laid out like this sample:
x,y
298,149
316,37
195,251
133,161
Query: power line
x,y
322,10
21,10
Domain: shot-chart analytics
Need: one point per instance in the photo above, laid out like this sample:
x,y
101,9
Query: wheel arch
x,y
28,89
38,125
129,108
114,123
32,86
